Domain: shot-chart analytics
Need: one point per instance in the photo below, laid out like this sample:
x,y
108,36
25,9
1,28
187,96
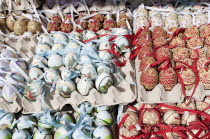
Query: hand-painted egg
x,y
51,76
20,27
94,25
39,62
150,117
191,31
43,134
109,24
17,65
144,52
66,117
160,41
84,85
40,48
177,41
108,68
73,44
35,73
4,134
145,63
171,117
65,88
149,78
52,26
15,77
6,53
46,121
70,60
9,93
21,134
26,122
45,38
88,70
204,77
56,19
34,26
92,45
60,37
81,134
4,65
142,21
163,53
180,53
201,133
32,90
159,32
104,118
105,55
84,107
122,43
104,45
55,61
99,17
103,82
77,35
205,31
63,130
184,62
185,20
201,19
157,21
131,120
130,133
6,121
87,120
168,78
88,34
10,22
102,132
103,108
58,46
197,53
188,78
66,27
195,42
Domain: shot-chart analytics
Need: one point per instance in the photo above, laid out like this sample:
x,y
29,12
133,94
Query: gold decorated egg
x,y
20,27
34,26
10,22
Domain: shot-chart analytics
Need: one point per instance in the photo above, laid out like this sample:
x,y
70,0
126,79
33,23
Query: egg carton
x,y
160,95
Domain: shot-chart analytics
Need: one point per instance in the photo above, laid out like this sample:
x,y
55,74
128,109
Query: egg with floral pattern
x,y
6,120
65,88
85,85
70,60
149,78
32,90
51,76
103,82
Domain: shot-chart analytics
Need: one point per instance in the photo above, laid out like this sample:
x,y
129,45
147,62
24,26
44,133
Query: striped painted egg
x,y
103,82
145,63
35,73
40,48
132,119
65,88
55,61
70,60
149,78
84,86
32,90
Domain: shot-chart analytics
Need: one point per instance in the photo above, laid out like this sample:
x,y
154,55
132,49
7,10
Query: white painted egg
x,y
103,108
84,85
35,73
108,68
66,117
65,88
84,59
51,75
77,35
122,31
88,70
43,134
87,120
39,61
122,43
6,120
45,38
105,55
87,34
84,107
80,134
6,53
58,46
9,93
102,132
105,45
70,60
4,134
69,74
61,132
21,134
73,44
32,90
92,45
26,122
103,82
55,61
40,48
104,118
60,37
4,65
45,122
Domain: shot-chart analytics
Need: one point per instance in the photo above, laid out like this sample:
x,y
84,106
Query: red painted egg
x,y
160,41
188,78
98,17
195,42
149,78
180,52
197,53
52,26
159,32
66,27
163,53
145,63
205,31
144,52
109,24
146,42
56,19
177,41
145,33
191,31
94,25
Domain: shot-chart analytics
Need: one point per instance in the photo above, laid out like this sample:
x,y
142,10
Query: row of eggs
x,y
59,124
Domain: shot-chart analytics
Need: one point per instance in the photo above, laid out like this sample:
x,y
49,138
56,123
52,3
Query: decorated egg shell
x,y
63,130
21,134
20,27
207,40
39,61
142,21
177,41
145,42
51,75
58,36
10,22
26,122
166,64
65,88
66,117
191,31
122,43
168,78
172,135
188,78
84,86
87,120
159,32
201,63
8,93
201,19
77,35
6,121
88,34
104,118
204,77
171,117
32,90
157,21
84,107
142,12
145,33
46,121
121,31
150,117
187,118
104,45
6,53
102,132
40,48
34,26
14,77
149,78
45,38
205,31
195,42
35,73
132,119
52,26
68,74
130,133
4,65
145,63
163,52
43,134
103,108
185,20
92,45
108,68
58,46
70,60
180,53
109,24
56,19
171,22
99,17
201,52
82,25
94,25
160,41
66,26
55,61
88,70
73,44
144,52
103,82
105,55
4,134
196,131
80,134
125,15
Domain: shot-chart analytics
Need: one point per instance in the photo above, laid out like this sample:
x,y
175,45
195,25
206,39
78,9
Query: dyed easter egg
x,y
55,61
104,118
39,62
84,107
66,26
80,134
51,76
43,134
103,108
195,42
21,134
159,32
60,37
88,70
149,78
191,31
205,31
6,53
20,27
188,78
56,19
145,63
84,86
204,77
26,122
4,134
160,41
34,26
6,120
180,53
45,38
58,46
130,133
109,24
171,117
63,130
104,45
46,121
35,73
150,117
16,65
73,44
40,48
70,60
163,53
66,117
88,34
8,93
94,25
144,52
177,41
98,17
32,90
132,119
103,82
65,88
52,26
15,77
105,55
4,65
102,132
122,43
